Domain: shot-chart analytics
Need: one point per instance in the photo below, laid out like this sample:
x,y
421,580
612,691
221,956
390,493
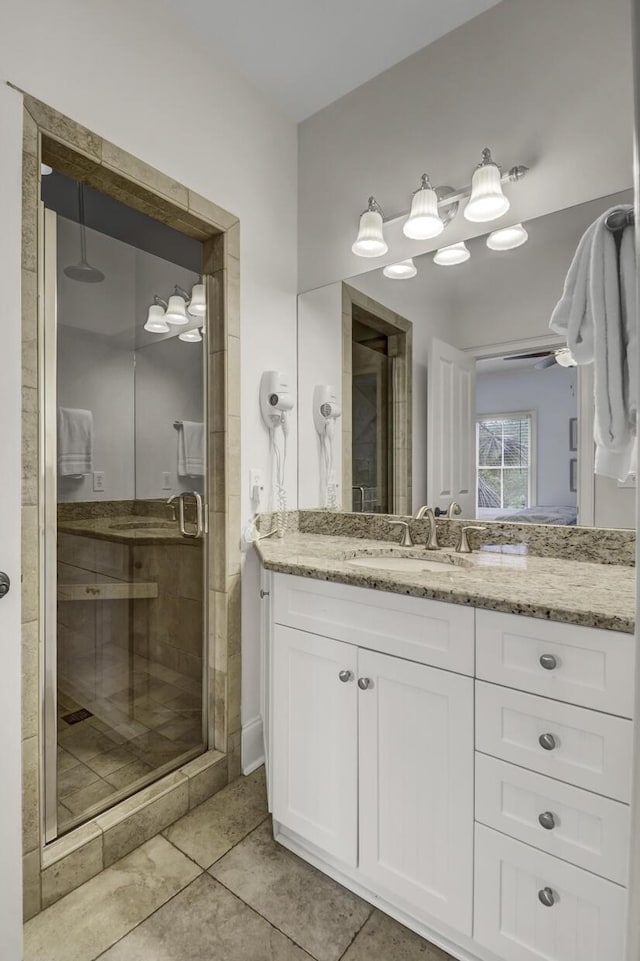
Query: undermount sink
x,y
143,526
407,565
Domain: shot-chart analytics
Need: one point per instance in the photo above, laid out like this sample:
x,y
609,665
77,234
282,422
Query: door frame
x,y
400,334
50,137
584,412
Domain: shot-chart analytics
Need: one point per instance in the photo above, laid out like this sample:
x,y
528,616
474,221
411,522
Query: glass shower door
x,y
125,458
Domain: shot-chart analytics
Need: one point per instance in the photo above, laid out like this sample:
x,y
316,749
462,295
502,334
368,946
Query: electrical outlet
x,y
98,480
166,480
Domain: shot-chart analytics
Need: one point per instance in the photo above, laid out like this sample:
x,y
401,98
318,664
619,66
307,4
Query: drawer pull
x,y
546,897
547,820
549,662
547,741
345,676
364,683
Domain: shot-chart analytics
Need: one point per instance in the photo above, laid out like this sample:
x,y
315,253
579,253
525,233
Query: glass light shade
x,y
452,255
198,303
176,312
191,336
370,241
156,324
487,201
403,270
45,170
565,358
507,238
424,221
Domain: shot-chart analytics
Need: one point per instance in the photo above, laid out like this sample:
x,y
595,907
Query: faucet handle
x,y
463,546
406,540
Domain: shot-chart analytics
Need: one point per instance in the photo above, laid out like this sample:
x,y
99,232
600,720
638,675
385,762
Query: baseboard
x,y
252,745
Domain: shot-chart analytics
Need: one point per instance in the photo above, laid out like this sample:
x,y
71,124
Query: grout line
x,y
366,921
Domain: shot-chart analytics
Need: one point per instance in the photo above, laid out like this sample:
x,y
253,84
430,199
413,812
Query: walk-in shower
x,y
124,434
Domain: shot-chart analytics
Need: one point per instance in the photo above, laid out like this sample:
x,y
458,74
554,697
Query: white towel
x,y
190,449
597,314
75,442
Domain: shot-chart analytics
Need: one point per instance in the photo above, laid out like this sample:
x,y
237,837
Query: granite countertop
x,y
126,529
504,578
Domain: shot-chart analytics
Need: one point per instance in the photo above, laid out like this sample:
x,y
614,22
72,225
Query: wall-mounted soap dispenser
x,y
326,410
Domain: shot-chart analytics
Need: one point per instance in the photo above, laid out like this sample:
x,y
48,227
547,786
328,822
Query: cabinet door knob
x,y
549,662
345,676
547,741
364,683
5,584
263,594
547,820
546,897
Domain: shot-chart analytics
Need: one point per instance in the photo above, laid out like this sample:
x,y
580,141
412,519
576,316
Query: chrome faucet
x,y
453,508
463,546
432,536
406,539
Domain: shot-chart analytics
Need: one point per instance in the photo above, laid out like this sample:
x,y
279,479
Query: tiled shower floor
x,y
216,887
145,718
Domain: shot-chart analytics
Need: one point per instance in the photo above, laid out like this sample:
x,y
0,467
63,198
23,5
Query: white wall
x,y
168,388
551,393
105,66
10,472
547,84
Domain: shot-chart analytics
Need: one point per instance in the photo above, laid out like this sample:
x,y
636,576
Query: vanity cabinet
x,y
466,771
372,754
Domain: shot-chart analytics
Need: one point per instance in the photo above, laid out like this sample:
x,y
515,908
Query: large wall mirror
x,y
454,389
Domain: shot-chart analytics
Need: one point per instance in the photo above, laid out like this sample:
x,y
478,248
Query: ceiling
x,y
304,54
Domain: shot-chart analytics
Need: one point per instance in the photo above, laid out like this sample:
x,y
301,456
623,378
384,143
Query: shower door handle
x,y
5,584
200,528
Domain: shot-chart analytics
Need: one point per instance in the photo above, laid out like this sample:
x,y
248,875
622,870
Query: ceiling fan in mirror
x,y
548,358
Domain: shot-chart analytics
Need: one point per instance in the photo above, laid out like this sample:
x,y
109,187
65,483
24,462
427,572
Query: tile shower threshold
x,y
130,791
87,849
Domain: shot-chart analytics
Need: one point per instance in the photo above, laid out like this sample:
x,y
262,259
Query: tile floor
x,y
146,717
216,887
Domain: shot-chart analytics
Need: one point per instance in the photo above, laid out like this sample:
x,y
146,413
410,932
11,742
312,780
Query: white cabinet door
x,y
530,906
451,428
315,740
416,787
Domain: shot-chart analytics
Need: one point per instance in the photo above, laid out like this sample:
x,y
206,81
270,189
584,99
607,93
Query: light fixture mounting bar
x,y
513,175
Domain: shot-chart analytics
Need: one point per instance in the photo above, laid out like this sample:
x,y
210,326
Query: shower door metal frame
x,y
47,324
48,523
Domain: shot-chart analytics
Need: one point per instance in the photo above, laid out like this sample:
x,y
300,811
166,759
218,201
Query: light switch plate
x,y
98,480
166,480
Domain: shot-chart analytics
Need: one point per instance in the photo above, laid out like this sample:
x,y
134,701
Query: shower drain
x,y
77,716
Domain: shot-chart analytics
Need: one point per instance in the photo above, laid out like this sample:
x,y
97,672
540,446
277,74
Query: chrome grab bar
x,y
200,527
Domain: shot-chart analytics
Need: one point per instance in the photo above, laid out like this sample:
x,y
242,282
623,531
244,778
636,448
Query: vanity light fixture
x,y
452,255
424,220
370,241
156,323
176,312
198,303
507,238
403,270
432,208
487,200
191,336
565,358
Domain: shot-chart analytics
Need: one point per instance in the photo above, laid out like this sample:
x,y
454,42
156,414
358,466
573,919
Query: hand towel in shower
x,y
597,314
190,449
75,442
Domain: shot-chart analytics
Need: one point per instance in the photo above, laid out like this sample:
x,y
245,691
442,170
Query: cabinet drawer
x,y
585,922
590,831
581,665
430,632
588,749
